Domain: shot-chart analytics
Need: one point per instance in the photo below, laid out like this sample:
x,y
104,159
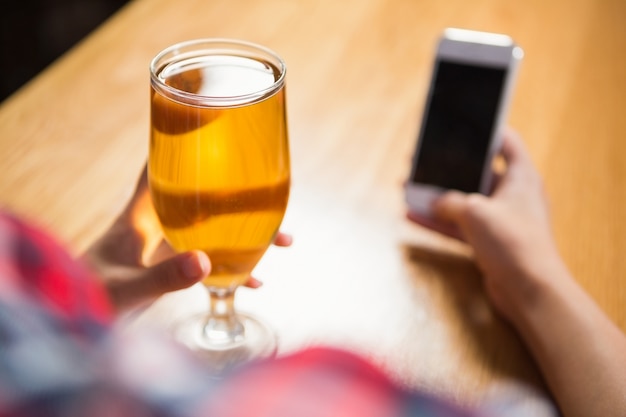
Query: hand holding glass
x,y
219,175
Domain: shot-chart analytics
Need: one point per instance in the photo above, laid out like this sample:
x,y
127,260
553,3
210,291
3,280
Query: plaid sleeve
x,y
34,266
52,314
321,382
62,355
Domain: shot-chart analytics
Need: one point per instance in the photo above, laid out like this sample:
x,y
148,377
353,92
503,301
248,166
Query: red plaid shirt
x,y
62,355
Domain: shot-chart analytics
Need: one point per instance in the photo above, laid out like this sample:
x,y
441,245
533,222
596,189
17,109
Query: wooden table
x,y
359,276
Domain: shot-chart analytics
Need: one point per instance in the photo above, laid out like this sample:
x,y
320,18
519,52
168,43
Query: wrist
x,y
574,343
551,296
530,290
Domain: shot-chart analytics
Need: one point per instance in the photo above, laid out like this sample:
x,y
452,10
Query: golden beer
x,y
219,168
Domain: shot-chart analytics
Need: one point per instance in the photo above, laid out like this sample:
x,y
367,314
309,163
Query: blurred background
x,y
33,33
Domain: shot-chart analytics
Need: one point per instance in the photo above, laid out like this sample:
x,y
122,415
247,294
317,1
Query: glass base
x,y
221,350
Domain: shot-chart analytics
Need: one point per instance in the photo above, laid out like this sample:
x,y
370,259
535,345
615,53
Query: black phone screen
x,y
459,123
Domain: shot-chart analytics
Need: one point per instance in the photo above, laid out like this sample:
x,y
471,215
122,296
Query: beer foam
x,y
225,76
229,76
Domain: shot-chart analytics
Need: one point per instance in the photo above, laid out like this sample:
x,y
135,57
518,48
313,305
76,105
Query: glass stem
x,y
222,328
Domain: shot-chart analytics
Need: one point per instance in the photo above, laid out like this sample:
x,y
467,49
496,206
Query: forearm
x,y
581,353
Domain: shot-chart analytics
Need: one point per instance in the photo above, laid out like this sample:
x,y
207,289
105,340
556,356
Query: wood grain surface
x,y
359,276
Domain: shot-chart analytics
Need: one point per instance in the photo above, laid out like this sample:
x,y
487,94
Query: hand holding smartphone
x,y
465,110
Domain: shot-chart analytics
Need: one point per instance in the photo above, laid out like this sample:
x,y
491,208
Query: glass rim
x,y
236,47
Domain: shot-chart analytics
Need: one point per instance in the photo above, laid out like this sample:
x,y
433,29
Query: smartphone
x,y
465,110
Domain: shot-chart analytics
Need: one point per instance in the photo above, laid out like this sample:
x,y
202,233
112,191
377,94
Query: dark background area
x,y
33,33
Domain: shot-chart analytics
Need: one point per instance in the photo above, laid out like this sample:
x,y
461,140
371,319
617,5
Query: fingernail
x,y
195,265
253,283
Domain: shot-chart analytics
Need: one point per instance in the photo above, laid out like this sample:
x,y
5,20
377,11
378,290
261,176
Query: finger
x,y
178,272
253,283
140,192
283,239
435,225
142,182
520,167
450,206
140,216
496,180
160,253
514,150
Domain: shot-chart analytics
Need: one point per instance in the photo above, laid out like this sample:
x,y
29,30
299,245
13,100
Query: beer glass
x,y
219,175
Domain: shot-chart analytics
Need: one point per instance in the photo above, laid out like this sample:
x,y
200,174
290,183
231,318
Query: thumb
x,y
450,207
145,284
